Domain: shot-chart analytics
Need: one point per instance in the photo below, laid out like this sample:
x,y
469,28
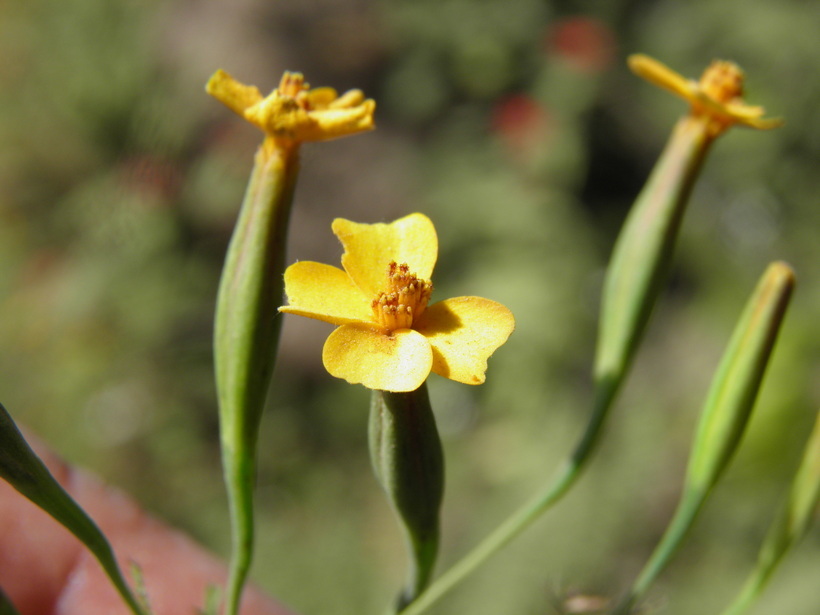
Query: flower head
x,y
388,337
293,113
717,97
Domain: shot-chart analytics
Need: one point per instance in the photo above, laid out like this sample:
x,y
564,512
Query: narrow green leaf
x,y
246,337
409,464
22,469
725,415
6,605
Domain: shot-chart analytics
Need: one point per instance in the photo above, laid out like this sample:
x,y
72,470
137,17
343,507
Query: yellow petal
x,y
351,98
396,362
464,332
751,115
325,293
332,123
234,95
744,111
661,75
761,123
369,248
321,98
728,114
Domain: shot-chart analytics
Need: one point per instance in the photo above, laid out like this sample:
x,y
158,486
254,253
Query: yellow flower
x,y
388,337
293,113
717,97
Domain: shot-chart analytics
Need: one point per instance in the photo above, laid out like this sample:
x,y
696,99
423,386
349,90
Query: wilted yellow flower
x,y
293,113
388,337
717,97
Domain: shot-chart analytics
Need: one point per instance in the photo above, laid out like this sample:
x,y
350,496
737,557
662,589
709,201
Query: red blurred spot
x,y
587,44
520,121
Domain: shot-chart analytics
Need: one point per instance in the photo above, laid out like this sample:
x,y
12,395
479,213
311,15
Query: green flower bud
x,y
409,463
725,414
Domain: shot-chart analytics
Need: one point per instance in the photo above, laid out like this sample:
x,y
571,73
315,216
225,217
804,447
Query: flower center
x,y
404,299
292,85
722,81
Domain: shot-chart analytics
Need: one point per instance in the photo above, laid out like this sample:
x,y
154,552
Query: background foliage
x,y
516,127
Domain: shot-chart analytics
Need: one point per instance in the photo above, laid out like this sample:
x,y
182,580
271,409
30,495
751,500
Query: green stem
x,y
674,535
246,337
527,514
790,525
750,592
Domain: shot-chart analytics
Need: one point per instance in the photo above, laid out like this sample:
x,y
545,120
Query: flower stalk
x,y
246,330
408,462
643,251
638,267
725,415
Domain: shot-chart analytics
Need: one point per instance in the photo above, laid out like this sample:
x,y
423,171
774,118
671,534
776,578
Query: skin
x,y
46,571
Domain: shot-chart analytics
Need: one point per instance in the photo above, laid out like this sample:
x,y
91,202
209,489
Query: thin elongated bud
x,y
22,469
725,415
643,252
738,378
790,525
246,336
409,464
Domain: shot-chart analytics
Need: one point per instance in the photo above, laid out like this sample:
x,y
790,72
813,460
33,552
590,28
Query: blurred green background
x,y
517,128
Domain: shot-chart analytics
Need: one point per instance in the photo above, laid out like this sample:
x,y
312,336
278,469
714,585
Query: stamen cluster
x,y
722,81
292,85
404,300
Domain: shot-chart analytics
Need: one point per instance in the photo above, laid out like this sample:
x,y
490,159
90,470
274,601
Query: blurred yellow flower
x,y
717,97
293,113
388,337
